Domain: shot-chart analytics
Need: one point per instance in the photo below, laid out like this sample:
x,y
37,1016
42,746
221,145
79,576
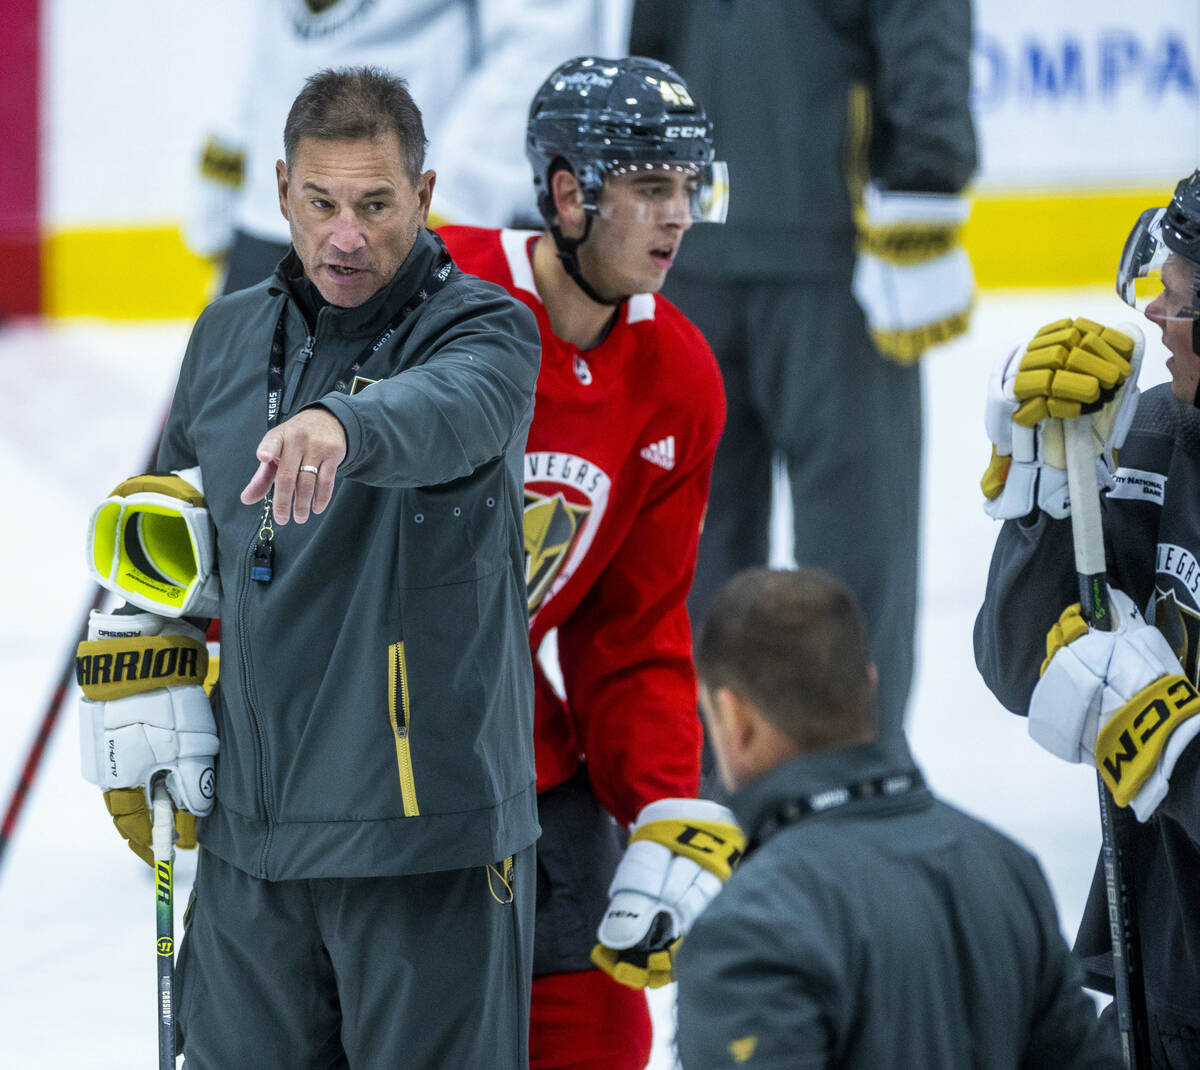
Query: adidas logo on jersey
x,y
661,453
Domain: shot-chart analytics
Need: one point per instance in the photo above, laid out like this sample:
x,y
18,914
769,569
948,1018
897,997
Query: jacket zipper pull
x,y
261,565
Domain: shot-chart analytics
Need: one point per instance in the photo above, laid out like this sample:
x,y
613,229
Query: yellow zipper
x,y
400,716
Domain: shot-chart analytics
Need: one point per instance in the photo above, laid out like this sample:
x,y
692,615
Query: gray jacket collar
x,y
373,314
758,802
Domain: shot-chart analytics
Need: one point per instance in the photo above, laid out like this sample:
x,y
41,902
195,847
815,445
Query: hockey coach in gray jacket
x,y
869,924
365,885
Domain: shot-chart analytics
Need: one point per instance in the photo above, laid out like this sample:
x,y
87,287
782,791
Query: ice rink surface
x,y
79,409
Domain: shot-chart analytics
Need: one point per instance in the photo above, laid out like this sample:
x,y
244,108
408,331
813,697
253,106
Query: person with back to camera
x,y
870,924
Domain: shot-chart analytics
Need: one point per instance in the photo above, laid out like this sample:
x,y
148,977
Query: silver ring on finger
x,y
309,468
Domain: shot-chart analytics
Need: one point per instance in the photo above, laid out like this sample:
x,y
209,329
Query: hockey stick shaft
x,y
33,757
164,895
1087,534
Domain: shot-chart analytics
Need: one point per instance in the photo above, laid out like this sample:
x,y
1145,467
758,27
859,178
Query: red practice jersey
x,y
616,478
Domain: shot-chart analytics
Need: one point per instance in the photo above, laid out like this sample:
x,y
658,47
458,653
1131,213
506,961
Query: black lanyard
x,y
821,802
261,567
438,275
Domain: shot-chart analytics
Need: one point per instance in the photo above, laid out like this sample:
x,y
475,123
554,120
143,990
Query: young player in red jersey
x,y
629,407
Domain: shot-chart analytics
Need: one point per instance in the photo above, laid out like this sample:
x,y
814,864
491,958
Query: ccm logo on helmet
x,y
686,131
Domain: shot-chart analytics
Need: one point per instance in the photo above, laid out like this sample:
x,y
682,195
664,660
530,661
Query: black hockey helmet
x,y
1158,234
596,116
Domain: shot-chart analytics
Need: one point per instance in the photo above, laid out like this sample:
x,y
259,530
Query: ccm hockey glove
x,y
1069,367
680,853
1117,699
144,712
152,542
912,277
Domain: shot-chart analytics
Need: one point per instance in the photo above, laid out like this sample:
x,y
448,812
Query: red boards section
x,y
19,168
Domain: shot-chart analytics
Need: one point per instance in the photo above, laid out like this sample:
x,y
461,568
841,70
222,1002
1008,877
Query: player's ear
x,y
281,180
568,200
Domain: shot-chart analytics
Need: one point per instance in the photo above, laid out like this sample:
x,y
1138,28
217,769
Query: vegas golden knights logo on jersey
x,y
1181,626
552,525
565,499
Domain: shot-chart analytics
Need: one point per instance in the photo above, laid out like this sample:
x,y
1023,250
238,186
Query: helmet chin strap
x,y
568,255
1196,349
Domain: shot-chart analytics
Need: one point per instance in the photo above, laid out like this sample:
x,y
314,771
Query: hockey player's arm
x,y
922,132
462,407
1118,699
1032,575
626,654
1030,579
913,278
627,668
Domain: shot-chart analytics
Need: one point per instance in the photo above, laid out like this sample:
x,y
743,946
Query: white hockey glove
x,y
144,712
1117,699
208,229
152,542
912,277
680,853
1069,367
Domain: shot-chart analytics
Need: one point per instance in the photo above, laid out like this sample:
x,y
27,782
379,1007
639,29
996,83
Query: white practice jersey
x,y
472,66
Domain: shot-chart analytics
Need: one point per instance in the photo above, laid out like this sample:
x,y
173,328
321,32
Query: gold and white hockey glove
x,y
1068,367
152,542
912,276
208,229
680,853
144,712
1117,699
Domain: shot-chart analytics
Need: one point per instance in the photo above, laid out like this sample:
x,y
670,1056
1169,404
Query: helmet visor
x,y
664,193
1139,271
1158,282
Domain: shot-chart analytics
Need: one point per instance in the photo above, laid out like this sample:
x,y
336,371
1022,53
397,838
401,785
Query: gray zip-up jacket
x,y
375,699
891,931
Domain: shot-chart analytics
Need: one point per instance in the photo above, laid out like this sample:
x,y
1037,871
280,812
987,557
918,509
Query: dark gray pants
x,y
803,381
425,971
250,261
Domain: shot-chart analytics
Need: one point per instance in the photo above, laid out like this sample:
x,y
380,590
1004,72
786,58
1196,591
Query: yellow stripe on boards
x,y
1038,240
124,273
1016,240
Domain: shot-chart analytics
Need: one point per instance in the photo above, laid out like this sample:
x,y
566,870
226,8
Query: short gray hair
x,y
356,104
